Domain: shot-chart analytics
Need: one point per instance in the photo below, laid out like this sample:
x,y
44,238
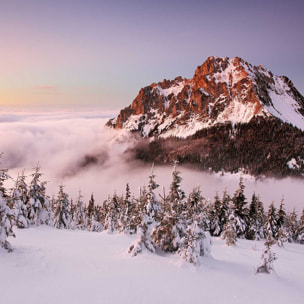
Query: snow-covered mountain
x,y
222,90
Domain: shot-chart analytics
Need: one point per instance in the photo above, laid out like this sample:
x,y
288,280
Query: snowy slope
x,y
56,266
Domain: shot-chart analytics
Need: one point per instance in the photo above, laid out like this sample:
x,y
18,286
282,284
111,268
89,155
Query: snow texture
x,y
64,266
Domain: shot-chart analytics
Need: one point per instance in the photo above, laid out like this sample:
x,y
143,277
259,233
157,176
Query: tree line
x,y
173,222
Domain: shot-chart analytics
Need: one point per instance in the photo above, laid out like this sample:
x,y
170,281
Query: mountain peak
x,y
221,90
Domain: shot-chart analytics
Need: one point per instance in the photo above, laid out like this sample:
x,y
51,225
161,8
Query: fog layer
x,y
78,151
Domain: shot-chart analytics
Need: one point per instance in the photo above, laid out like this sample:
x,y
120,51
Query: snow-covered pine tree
x,y
271,224
255,229
112,217
62,214
129,221
195,244
195,203
90,212
215,216
291,224
281,234
143,237
6,214
79,221
229,232
153,208
176,197
240,211
39,205
267,258
20,199
300,229
172,227
96,224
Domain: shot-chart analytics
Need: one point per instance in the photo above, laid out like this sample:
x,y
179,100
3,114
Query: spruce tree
x,y
195,244
240,211
20,199
143,237
90,212
62,214
6,214
153,208
300,229
229,233
271,224
79,221
267,258
39,205
255,230
291,225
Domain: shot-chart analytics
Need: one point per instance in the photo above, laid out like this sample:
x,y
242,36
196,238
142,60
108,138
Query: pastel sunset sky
x,y
98,53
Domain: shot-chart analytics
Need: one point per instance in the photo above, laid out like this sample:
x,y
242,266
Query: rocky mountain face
x,y
222,90
230,115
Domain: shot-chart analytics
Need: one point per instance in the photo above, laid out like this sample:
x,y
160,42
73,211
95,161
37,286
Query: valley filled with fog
x,y
79,152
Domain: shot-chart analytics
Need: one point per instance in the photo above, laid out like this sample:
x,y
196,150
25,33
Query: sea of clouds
x,y
77,150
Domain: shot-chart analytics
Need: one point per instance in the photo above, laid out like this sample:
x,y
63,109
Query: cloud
x,y
77,150
45,87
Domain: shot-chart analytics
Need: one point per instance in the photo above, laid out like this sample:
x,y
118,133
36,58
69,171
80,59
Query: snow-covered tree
x,y
229,232
215,213
20,199
300,229
195,203
240,211
255,230
271,224
6,214
96,224
79,219
291,224
267,258
62,214
195,244
39,205
90,212
112,217
153,208
143,237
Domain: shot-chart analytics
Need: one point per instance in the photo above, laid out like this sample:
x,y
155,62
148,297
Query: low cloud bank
x,y
78,151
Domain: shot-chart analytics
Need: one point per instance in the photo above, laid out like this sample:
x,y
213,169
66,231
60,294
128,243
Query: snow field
x,y
65,266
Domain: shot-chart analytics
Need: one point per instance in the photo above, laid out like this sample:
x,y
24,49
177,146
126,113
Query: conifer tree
x,y
153,208
6,214
90,212
79,221
300,229
172,227
215,217
195,244
267,258
281,215
112,217
255,229
229,233
291,226
62,214
20,199
143,237
96,224
129,221
195,203
240,211
271,224
39,205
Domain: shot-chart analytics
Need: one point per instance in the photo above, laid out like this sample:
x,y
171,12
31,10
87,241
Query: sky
x,y
88,54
